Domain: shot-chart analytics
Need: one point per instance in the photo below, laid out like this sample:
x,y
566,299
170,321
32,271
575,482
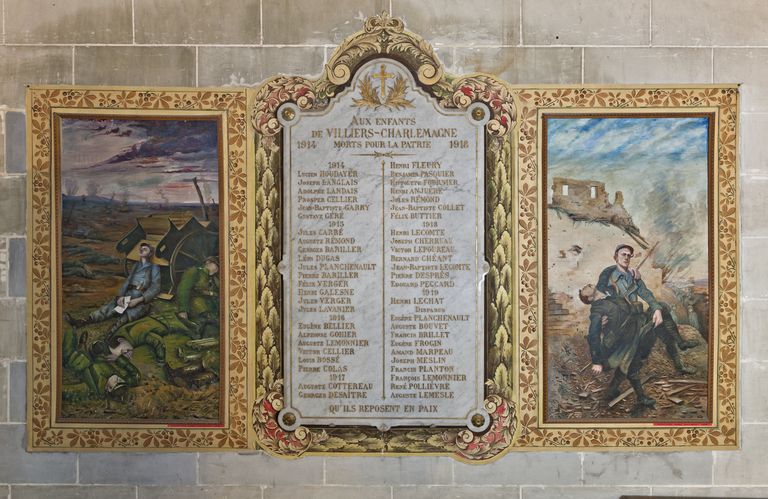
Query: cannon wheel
x,y
191,251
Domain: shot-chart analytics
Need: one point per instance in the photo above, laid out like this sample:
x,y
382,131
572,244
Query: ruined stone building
x,y
587,200
583,228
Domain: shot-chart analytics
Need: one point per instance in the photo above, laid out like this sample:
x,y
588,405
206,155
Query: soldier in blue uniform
x,y
625,283
141,287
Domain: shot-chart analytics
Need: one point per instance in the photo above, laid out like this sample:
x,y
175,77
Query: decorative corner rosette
x,y
493,93
273,94
269,433
495,440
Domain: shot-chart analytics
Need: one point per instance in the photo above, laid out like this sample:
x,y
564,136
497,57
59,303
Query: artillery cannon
x,y
181,240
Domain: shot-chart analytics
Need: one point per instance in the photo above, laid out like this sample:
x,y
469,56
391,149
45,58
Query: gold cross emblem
x,y
393,97
383,76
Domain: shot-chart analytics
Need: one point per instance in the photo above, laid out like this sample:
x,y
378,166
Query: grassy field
x,y
92,273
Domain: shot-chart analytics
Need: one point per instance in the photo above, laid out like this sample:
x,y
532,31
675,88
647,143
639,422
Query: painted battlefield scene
x,y
627,333
140,281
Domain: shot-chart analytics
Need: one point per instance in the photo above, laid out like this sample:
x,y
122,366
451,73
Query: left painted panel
x,y
138,318
139,262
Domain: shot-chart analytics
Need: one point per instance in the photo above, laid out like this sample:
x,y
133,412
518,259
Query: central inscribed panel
x,y
385,261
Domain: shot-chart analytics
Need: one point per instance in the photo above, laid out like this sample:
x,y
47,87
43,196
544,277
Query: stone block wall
x,y
241,42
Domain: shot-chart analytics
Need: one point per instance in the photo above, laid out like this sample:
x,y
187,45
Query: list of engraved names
x,y
385,245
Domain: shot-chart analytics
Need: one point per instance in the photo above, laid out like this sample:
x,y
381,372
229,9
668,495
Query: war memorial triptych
x,y
388,259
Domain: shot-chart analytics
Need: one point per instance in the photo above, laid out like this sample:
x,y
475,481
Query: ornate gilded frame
x,y
721,102
383,36
45,431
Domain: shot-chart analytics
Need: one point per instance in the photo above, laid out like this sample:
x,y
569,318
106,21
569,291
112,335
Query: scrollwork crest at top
x,y
383,36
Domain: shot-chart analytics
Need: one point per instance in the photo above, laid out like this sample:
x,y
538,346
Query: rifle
x,y
650,252
633,288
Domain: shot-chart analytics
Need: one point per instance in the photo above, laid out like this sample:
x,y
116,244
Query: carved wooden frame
x,y
45,432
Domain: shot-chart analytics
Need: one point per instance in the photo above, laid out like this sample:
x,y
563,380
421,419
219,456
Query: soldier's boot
x,y
613,387
674,354
642,399
82,340
181,376
686,344
682,368
209,329
75,322
674,333
90,382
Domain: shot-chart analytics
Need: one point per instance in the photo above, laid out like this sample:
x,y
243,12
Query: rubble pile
x,y
575,392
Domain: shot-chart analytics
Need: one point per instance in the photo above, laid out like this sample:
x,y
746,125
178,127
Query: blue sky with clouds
x,y
642,157
630,154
